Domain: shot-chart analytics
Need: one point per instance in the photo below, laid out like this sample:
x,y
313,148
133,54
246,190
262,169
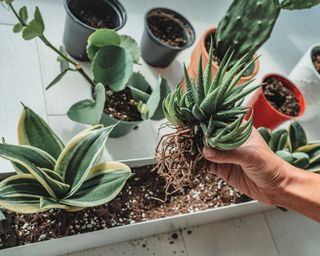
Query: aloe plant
x,y
293,147
113,57
51,175
212,108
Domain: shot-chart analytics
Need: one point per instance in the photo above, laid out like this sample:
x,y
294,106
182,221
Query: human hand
x,y
253,168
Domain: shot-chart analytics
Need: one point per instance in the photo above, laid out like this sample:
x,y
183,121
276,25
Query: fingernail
x,y
208,152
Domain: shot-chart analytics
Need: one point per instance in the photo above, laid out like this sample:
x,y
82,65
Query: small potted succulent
x,y
118,93
245,27
84,17
166,33
292,146
306,75
277,101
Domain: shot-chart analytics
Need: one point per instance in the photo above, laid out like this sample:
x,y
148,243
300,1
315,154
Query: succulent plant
x,y
293,147
213,106
51,175
247,25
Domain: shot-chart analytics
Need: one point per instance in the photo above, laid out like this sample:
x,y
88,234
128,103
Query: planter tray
x,y
118,234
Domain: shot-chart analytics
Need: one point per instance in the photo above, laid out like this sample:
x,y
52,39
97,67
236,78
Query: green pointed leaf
x,y
156,98
57,79
113,66
200,85
23,14
80,154
131,45
17,28
103,184
104,37
35,27
33,131
38,157
89,111
139,87
49,203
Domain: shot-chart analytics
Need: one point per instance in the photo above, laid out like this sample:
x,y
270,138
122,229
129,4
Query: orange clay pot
x,y
201,49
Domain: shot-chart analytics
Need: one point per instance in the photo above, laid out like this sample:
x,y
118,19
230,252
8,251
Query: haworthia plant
x,y
248,24
51,175
292,146
213,106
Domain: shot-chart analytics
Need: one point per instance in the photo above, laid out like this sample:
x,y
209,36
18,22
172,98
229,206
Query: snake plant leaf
x,y
297,136
112,66
104,37
48,203
34,131
23,14
298,4
131,45
24,205
35,27
265,133
285,155
80,154
156,98
89,111
104,183
38,157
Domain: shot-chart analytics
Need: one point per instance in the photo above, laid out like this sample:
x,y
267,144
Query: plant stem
x,y
77,66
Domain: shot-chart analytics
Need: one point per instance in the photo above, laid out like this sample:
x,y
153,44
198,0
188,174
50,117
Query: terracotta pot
x,y
200,48
264,114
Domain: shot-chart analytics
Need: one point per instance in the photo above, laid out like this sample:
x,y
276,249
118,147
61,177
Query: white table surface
x,y
26,68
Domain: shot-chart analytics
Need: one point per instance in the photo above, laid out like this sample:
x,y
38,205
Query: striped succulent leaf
x,y
293,147
73,181
213,104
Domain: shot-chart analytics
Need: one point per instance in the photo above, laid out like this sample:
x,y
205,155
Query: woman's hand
x,y
253,168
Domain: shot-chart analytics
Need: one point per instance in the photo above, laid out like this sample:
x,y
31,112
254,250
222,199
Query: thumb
x,y
223,157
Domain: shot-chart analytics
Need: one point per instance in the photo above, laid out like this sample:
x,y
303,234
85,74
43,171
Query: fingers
x,y
218,156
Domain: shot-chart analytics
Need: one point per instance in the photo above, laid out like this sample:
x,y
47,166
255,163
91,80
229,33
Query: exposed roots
x,y
179,160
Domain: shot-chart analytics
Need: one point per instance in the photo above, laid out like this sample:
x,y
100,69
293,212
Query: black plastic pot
x,y
157,53
76,32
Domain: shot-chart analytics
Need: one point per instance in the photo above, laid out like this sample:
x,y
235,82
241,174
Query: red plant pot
x,y
264,114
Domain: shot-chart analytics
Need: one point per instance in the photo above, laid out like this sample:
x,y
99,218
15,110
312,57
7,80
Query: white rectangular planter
x,y
132,231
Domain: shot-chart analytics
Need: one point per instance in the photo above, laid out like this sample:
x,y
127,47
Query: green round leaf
x,y
131,45
113,66
104,37
91,51
17,28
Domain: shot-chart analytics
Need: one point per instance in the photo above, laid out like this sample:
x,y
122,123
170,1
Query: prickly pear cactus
x,y
245,27
298,4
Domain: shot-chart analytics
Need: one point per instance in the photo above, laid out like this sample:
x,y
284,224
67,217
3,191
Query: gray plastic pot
x,y
122,128
76,32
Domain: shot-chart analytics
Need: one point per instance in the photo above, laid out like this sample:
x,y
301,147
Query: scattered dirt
x,y
139,201
168,28
316,60
121,106
97,14
281,98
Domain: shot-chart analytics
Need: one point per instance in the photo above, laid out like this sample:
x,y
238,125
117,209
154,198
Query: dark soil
x,y
97,14
281,97
139,201
167,28
316,60
121,106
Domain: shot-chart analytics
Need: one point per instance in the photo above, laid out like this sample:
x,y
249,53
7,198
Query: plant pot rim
x,y
104,237
288,83
121,121
311,48
185,21
204,51
123,19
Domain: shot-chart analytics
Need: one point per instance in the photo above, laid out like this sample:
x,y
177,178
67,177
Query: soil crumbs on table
x,y
121,106
281,97
167,28
139,201
95,15
316,60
